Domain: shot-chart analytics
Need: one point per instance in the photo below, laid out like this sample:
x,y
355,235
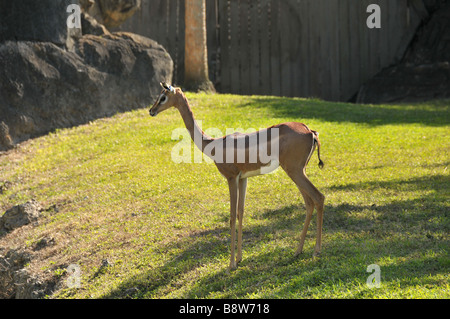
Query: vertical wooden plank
x,y
165,24
364,41
180,41
211,41
148,18
322,25
254,47
244,56
159,28
331,11
397,26
335,26
392,25
344,51
217,44
245,61
172,46
312,40
385,41
152,12
235,47
374,45
225,38
294,54
265,49
181,38
369,37
303,58
275,47
326,52
315,48
286,33
354,19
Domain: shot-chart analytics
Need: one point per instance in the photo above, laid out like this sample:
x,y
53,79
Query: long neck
x,y
198,136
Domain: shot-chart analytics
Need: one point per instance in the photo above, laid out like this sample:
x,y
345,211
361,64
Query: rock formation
x,y
53,76
20,215
110,13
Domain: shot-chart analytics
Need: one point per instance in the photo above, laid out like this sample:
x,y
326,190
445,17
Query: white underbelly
x,y
273,165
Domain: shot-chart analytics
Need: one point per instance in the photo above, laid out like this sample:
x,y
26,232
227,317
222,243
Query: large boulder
x,y
424,72
30,20
45,84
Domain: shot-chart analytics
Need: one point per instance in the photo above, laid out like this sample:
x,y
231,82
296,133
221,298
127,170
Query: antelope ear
x,y
164,85
168,87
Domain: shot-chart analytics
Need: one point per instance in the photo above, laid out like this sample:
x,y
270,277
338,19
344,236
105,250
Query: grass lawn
x,y
111,192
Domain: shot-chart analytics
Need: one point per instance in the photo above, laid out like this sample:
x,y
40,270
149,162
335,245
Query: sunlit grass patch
x,y
112,192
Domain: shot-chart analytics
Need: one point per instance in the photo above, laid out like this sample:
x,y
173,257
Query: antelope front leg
x,y
241,204
234,194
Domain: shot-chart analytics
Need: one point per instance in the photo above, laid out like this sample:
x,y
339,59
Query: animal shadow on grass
x,y
354,237
204,247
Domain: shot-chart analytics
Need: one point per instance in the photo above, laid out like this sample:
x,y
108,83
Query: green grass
x,y
111,191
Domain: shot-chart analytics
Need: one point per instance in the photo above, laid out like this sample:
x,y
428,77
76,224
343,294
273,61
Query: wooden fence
x,y
309,48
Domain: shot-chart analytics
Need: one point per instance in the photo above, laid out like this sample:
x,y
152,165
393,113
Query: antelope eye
x,y
163,99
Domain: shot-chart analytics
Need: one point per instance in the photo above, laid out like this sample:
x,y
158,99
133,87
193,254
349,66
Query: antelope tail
x,y
317,141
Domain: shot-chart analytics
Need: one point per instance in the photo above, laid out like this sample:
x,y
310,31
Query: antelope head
x,y
165,100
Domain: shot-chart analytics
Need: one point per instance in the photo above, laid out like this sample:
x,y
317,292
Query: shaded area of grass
x,y
432,113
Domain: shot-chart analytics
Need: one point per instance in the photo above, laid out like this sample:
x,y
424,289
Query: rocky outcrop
x,y
46,87
10,266
43,20
20,215
66,78
16,280
424,72
110,13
